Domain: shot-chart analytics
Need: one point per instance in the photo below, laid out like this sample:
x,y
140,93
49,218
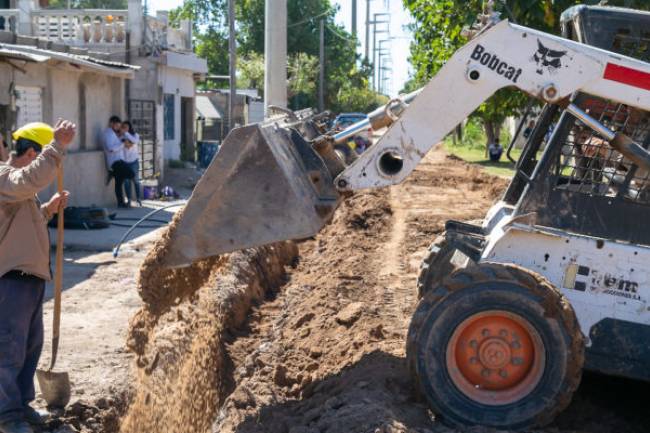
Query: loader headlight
x,y
390,163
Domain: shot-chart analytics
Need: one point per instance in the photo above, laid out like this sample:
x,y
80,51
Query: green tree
x,y
303,20
438,34
302,76
342,68
210,30
251,71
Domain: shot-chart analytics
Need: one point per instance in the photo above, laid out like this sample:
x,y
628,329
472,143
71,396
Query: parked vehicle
x,y
356,144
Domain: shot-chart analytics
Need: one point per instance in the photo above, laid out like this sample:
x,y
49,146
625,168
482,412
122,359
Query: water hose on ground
x,y
116,249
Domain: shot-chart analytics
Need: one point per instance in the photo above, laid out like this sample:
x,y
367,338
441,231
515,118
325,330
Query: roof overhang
x,y
55,58
189,62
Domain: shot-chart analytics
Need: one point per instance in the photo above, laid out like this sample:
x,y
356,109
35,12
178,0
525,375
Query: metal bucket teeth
x,y
266,184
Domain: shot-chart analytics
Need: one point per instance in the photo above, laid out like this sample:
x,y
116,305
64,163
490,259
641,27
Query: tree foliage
x,y
438,34
343,68
302,74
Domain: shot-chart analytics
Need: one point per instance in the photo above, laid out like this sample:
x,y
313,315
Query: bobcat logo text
x,y
493,62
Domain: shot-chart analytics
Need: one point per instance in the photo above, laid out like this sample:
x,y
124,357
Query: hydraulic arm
x,y
505,55
269,183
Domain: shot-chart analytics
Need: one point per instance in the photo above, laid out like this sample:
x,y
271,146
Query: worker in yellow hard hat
x,y
38,152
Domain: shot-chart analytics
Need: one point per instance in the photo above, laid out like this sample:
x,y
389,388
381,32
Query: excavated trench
x,y
309,338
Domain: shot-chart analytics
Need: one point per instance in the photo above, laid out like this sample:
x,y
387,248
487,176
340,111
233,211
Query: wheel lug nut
x,y
473,344
485,332
517,361
485,372
503,373
503,333
473,360
515,345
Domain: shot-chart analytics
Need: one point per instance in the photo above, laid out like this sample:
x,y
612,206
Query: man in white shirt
x,y
114,150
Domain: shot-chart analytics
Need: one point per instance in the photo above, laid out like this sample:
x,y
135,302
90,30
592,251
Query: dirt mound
x,y
311,359
178,335
328,354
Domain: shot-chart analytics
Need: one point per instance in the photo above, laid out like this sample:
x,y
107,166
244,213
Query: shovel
x,y
55,387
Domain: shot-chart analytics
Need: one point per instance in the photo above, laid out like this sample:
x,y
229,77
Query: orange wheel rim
x,y
495,357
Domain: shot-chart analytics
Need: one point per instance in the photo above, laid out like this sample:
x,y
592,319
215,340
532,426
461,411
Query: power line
x,y
306,20
339,35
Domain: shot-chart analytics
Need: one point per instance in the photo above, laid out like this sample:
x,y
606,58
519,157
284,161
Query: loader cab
x,y
580,184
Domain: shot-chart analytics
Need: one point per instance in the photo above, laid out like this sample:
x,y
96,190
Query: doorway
x,y
188,146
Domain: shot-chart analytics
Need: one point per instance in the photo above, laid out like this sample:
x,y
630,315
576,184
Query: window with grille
x,y
587,164
29,104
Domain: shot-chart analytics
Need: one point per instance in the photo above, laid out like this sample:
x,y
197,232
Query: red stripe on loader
x,y
629,76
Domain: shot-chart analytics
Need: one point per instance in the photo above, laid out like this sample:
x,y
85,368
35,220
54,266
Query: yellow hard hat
x,y
38,132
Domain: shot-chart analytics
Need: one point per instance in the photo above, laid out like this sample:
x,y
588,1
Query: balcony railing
x,y
95,28
8,19
81,27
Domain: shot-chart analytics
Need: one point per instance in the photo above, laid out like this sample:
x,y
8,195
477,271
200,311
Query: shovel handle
x,y
58,274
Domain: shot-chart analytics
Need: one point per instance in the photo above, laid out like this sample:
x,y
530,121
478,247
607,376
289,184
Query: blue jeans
x,y
21,341
135,168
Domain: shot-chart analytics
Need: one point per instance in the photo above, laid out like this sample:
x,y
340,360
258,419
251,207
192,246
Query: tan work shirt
x,y
24,239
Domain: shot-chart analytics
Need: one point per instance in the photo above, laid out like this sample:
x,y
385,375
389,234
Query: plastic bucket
x,y
149,192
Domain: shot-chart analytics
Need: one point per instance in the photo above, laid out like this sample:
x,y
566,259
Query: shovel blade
x,y
55,388
266,184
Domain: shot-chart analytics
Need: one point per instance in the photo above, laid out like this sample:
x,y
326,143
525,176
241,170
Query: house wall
x,y
86,98
179,83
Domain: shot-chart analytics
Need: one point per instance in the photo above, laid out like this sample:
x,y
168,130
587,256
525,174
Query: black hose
x,y
136,219
141,226
116,249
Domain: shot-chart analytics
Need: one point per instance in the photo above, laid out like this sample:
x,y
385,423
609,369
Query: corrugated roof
x,y
205,108
19,55
29,53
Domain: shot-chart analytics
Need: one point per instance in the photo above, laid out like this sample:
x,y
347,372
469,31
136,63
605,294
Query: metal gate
x,y
142,115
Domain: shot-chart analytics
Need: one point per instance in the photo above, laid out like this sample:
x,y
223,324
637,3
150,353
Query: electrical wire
x,y
340,36
306,20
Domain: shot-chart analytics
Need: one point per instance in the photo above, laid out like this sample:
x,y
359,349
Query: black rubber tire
x,y
435,266
484,287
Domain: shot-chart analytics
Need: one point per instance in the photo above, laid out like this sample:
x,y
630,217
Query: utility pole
x,y
321,81
275,54
232,49
375,32
354,17
377,68
367,40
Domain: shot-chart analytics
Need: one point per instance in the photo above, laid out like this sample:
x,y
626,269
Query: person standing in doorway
x,y
25,263
131,141
114,151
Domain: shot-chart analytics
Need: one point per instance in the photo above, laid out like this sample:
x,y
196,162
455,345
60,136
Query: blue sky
x,y
399,44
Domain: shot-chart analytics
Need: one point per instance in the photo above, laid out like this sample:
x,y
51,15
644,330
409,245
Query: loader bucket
x,y
266,184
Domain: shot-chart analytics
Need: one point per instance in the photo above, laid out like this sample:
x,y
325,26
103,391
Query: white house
x,y
159,99
43,85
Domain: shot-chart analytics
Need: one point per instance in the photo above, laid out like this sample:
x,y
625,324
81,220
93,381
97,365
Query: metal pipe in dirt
x,y
116,249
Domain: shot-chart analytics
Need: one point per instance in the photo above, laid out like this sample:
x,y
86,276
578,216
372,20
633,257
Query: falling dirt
x,y
178,335
246,343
